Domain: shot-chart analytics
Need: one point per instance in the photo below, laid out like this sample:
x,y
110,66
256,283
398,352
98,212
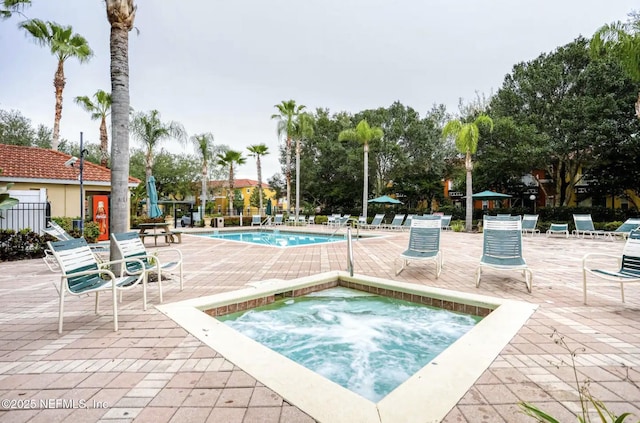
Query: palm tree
x,y
151,131
302,129
364,134
204,149
121,15
99,110
287,112
258,150
622,40
466,138
63,44
229,159
9,7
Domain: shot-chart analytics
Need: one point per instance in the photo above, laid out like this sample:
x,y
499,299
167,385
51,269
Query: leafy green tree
x,y
257,198
121,15
287,111
203,144
621,40
16,129
364,134
302,130
9,7
63,44
151,132
99,110
230,159
466,137
257,151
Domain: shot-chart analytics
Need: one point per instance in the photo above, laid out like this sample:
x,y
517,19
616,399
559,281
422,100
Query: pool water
x,y
277,238
367,343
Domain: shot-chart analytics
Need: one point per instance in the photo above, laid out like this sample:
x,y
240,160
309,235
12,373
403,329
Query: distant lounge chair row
x,y
400,222
583,227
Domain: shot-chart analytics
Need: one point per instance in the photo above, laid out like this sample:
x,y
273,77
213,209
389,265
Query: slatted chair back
x,y
256,219
377,220
628,226
631,255
130,246
278,219
311,220
407,221
75,256
424,235
446,221
57,231
529,222
502,245
583,223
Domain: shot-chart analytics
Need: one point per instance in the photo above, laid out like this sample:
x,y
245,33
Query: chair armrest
x,y
158,253
599,255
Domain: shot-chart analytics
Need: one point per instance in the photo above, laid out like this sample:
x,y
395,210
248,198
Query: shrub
x,y
21,245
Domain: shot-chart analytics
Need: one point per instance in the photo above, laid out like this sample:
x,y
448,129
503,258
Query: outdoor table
x,y
157,230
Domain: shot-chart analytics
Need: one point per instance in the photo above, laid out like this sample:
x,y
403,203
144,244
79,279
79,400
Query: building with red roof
x,y
32,168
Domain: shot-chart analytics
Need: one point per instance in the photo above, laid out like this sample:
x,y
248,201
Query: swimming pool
x,y
428,395
367,343
276,238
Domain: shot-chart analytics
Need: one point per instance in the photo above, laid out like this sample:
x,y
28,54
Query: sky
x,y
221,66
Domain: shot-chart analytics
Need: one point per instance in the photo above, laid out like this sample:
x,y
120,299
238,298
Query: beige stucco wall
x,y
64,198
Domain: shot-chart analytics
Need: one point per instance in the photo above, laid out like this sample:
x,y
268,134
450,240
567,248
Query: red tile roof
x,y
239,183
38,163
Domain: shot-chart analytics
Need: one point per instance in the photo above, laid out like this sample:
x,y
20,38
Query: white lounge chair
x,y
558,228
396,222
130,245
375,223
628,269
82,274
424,243
529,222
624,229
256,220
584,226
502,247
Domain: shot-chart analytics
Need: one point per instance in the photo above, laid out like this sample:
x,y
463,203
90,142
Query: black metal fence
x,y
34,216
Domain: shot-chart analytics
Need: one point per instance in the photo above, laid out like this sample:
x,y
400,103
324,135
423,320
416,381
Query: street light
x,y
71,162
533,198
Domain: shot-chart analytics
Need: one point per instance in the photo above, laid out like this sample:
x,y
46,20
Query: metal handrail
x,y
349,252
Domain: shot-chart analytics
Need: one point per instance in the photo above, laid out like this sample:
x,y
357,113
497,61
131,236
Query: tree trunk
x,y
638,107
288,172
203,193
365,190
297,179
119,46
468,221
231,189
58,84
104,143
259,180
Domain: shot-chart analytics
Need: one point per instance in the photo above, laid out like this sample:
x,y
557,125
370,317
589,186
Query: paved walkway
x,y
152,370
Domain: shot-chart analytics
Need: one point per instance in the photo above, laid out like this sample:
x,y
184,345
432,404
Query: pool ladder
x,y
349,252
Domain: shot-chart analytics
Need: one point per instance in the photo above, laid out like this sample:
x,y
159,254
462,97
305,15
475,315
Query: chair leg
x,y
622,290
144,290
402,266
97,299
528,279
181,278
584,285
159,279
115,307
478,276
60,317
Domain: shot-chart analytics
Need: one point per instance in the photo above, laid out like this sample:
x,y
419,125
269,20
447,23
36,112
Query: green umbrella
x,y
268,211
154,210
385,199
490,195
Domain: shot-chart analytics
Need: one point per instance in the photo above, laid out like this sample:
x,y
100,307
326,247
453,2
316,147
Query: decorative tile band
x,y
418,299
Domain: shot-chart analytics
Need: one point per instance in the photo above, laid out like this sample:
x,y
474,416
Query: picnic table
x,y
156,230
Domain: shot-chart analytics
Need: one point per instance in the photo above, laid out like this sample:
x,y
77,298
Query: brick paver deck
x,y
152,370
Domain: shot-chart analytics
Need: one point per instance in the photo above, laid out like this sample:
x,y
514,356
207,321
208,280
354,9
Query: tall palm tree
x,y
121,15
466,137
288,110
63,44
204,149
151,132
257,151
302,129
364,134
99,109
230,159
622,40
9,7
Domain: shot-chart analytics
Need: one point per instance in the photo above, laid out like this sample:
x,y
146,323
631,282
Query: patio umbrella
x,y
154,210
490,195
385,199
268,210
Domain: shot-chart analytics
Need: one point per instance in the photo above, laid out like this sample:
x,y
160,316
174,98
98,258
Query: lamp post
x,y
82,153
533,198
